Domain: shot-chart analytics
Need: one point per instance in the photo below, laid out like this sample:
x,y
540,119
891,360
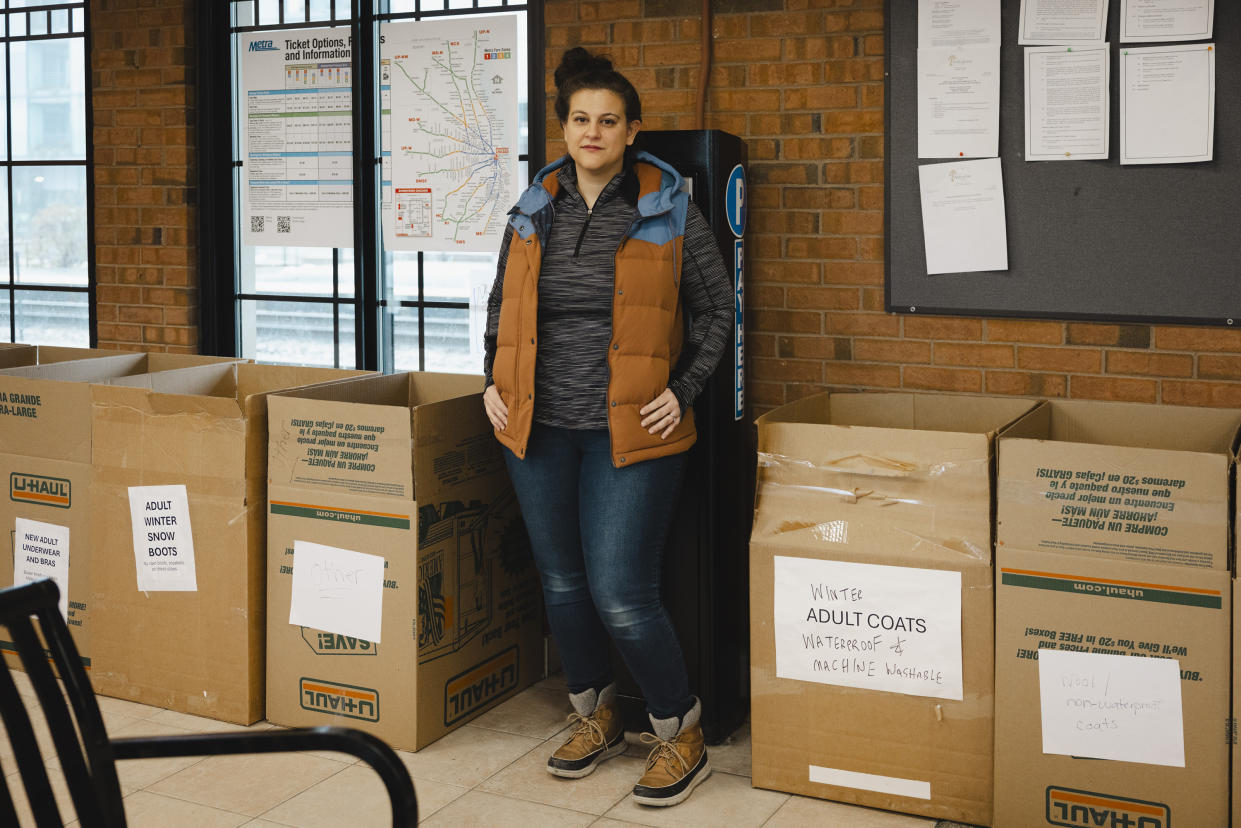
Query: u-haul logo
x,y
480,685
45,491
324,643
323,696
1085,809
263,46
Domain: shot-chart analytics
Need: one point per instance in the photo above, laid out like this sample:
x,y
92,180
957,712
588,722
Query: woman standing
x,y
591,372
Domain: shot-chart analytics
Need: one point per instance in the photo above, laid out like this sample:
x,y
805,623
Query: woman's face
x,y
597,132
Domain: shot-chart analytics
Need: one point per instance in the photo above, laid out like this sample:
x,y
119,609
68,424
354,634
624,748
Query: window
x,y
46,265
385,309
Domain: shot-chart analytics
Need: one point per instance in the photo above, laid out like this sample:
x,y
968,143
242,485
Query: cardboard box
x,y
1079,601
403,466
45,456
205,428
901,483
15,354
1118,481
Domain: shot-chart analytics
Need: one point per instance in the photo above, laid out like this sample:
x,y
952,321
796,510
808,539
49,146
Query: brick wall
x,y
802,82
145,233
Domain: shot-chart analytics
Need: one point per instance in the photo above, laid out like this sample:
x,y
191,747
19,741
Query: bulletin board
x,y
1086,239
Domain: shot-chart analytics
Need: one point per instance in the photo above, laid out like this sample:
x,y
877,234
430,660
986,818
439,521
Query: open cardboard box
x,y
407,467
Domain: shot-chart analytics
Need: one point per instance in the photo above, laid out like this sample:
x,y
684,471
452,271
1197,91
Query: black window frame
x,y
8,280
218,249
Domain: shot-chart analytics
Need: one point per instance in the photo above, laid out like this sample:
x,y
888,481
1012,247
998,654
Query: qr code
x,y
256,224
284,224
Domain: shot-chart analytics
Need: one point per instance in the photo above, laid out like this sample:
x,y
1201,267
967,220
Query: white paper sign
x,y
163,542
337,590
1167,104
41,550
959,102
958,23
1100,706
891,628
963,223
1163,21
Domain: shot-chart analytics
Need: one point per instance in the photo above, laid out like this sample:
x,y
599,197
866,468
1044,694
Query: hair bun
x,y
578,61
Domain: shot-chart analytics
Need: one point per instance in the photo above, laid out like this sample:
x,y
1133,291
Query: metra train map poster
x,y
454,130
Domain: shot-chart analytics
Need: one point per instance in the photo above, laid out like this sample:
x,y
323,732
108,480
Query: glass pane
x,y
49,225
460,4
453,277
49,97
243,13
4,111
343,12
294,11
6,331
47,317
490,3
320,9
60,21
448,341
344,273
523,88
17,25
38,23
296,333
298,271
404,274
269,12
5,275
79,20
405,340
431,5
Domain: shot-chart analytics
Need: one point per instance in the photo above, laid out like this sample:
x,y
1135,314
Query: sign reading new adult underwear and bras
x,y
890,628
163,542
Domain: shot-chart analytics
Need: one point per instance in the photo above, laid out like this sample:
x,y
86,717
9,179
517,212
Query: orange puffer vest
x,y
646,313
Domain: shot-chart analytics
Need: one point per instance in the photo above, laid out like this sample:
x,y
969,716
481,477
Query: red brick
x,y
1113,388
1043,333
822,247
823,298
1208,394
862,324
1148,364
1022,383
788,370
891,350
943,379
1198,339
783,270
978,356
852,273
787,321
942,327
1078,360
1213,366
853,375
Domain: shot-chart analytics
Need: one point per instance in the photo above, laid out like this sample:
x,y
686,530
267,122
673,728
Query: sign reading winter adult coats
x,y
163,542
891,628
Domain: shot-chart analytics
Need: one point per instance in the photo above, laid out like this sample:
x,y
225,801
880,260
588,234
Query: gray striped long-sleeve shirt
x,y
575,304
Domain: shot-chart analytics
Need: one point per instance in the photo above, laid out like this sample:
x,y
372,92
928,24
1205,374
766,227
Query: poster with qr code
x,y
296,111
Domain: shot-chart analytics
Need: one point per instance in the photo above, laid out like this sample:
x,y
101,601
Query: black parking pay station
x,y
706,562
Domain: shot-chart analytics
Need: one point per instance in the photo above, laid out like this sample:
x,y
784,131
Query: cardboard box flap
x,y
218,380
427,388
15,355
1135,425
373,389
842,540
921,412
453,443
262,379
83,370
352,446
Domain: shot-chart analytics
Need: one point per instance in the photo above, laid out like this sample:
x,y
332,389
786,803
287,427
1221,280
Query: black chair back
x,y
32,616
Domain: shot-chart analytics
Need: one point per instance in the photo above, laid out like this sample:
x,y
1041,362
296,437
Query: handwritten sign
x,y
41,550
890,628
163,542
1112,707
337,590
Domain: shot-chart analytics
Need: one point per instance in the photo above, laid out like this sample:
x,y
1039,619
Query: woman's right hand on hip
x,y
497,411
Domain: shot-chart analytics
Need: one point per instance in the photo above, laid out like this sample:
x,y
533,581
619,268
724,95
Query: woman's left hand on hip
x,y
661,414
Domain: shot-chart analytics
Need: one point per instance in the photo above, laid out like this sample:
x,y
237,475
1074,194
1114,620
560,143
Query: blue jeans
x,y
598,534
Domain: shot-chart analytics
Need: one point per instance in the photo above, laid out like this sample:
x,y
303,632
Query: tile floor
x,y
488,773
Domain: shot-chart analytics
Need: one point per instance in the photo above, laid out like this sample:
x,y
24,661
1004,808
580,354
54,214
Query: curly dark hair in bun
x,y
579,70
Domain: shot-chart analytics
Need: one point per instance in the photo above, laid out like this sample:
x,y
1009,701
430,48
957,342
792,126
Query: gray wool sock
x,y
667,729
586,702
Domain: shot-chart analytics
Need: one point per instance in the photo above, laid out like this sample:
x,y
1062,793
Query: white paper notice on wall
x,y
41,550
1112,707
163,541
890,628
337,590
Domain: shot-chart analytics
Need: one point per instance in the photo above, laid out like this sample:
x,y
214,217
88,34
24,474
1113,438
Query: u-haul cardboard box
x,y
871,601
1112,552
405,467
45,463
1119,481
180,466
13,354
